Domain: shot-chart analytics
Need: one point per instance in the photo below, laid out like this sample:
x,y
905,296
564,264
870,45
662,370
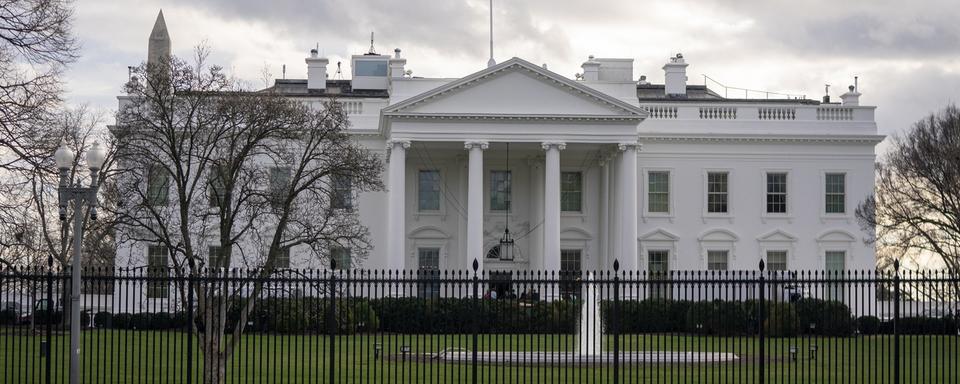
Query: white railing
x,y
352,107
834,113
662,111
777,113
718,113
758,112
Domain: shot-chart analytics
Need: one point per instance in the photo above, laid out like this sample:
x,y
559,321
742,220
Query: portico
x,y
554,127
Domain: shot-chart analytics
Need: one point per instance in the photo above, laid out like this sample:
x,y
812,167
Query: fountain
x,y
589,345
590,335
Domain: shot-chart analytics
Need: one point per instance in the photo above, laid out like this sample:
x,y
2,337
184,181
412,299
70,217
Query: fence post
x,y
615,321
49,320
190,324
761,307
896,319
475,322
332,322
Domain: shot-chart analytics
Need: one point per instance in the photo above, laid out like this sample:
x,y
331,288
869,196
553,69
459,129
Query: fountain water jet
x,y
590,335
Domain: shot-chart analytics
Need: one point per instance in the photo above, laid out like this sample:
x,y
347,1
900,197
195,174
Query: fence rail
x,y
291,326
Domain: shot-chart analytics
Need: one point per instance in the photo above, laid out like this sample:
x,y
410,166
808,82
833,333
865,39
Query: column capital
x,y
483,145
405,143
559,144
625,145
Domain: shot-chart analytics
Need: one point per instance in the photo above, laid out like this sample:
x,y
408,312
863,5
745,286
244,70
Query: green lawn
x,y
161,357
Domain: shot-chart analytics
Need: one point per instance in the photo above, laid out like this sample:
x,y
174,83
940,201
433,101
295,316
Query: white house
x,y
584,171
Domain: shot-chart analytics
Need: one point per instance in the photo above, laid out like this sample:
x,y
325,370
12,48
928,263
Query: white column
x,y
551,206
536,213
396,216
475,202
628,208
605,259
613,226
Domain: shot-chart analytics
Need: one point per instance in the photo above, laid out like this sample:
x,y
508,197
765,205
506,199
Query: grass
x,y
161,357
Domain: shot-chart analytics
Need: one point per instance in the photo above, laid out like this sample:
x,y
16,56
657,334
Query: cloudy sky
x,y
907,54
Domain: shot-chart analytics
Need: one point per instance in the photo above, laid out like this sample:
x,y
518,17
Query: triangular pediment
x,y
515,88
659,235
777,235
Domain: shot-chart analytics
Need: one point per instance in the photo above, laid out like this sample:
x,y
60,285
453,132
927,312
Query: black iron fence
x,y
293,326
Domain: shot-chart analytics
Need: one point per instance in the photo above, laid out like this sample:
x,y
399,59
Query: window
x,y
342,192
216,183
215,257
570,267
835,265
717,192
157,262
777,192
776,260
283,258
658,267
835,193
428,262
279,185
429,191
370,68
340,257
571,191
158,186
717,260
500,185
658,192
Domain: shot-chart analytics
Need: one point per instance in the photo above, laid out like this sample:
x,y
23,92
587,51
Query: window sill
x,y
776,217
657,216
717,216
835,217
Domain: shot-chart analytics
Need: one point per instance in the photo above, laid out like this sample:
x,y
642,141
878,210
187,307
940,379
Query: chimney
x,y
675,77
591,70
316,71
851,98
396,64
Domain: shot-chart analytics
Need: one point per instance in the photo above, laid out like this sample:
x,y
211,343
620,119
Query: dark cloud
x,y
454,27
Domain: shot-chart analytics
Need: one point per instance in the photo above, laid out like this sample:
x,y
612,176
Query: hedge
x,y
823,317
8,317
868,325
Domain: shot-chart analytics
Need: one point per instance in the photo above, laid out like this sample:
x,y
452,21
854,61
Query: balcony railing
x,y
754,112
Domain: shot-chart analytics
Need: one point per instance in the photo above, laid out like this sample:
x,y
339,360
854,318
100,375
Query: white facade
x,y
626,140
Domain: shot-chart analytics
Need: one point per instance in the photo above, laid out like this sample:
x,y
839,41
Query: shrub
x,y
923,325
829,318
140,321
781,320
122,321
43,316
103,320
868,325
85,319
719,318
646,316
8,317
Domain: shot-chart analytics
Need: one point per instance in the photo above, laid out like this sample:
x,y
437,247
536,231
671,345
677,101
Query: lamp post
x,y
70,191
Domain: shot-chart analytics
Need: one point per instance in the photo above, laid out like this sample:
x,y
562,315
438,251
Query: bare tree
x,y
204,162
916,206
35,44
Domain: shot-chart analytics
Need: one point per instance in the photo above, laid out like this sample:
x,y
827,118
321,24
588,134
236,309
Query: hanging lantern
x,y
506,245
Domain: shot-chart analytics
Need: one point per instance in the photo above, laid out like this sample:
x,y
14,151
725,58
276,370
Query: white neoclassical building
x,y
583,171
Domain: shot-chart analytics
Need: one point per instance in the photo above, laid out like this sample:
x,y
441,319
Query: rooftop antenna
x,y
491,62
372,51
